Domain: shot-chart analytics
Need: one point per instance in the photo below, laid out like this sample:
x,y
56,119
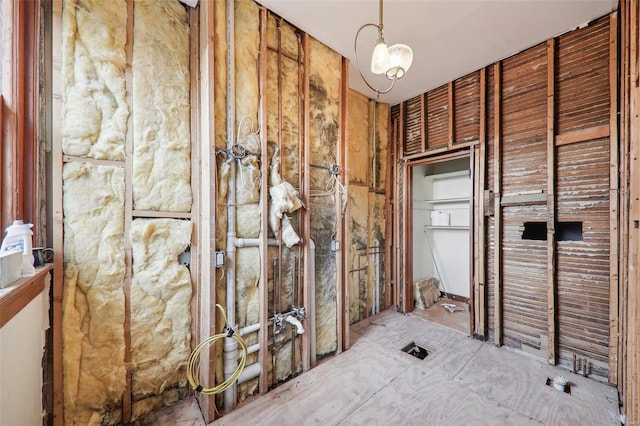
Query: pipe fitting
x,y
278,323
295,322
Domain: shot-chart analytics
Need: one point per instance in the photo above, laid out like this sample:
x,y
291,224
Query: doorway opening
x,y
441,205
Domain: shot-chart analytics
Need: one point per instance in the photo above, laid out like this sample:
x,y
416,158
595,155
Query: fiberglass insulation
x,y
94,125
95,112
93,300
324,92
160,297
161,108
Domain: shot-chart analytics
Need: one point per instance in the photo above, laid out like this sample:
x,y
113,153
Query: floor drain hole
x,y
415,350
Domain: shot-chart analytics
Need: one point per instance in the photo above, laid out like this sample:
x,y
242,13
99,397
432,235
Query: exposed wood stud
x,y
452,118
388,212
473,249
551,207
396,146
263,296
481,302
341,273
613,199
343,160
407,294
305,217
202,53
127,403
423,122
57,226
497,170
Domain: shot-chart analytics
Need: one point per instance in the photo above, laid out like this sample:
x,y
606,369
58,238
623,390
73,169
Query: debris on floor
x,y
451,307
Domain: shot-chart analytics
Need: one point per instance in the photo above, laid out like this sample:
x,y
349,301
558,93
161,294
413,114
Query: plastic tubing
x,y
193,365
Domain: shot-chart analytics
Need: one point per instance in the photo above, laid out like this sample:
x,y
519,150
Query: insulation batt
x,y
160,305
284,199
93,299
95,111
324,93
161,107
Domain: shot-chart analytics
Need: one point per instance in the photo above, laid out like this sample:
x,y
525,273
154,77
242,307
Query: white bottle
x,y
19,238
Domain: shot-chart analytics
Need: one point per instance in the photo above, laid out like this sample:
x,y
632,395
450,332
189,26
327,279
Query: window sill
x,y
18,295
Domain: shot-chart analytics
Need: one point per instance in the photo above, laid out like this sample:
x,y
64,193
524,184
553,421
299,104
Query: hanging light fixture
x,y
393,61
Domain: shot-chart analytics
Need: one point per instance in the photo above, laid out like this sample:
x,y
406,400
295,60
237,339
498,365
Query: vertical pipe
x,y
230,356
312,300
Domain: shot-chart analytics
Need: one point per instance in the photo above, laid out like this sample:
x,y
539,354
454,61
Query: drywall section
x,y
548,116
126,306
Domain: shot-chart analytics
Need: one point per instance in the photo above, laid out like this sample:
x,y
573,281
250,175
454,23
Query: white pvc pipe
x,y
251,349
312,301
249,329
250,372
230,355
253,242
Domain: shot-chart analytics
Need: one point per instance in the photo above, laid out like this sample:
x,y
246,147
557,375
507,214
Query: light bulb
x,y
380,57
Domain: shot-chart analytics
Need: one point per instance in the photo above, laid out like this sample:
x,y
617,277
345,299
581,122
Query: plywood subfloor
x,y
461,382
458,320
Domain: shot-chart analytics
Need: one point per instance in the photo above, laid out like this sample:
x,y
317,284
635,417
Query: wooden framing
x,y
613,199
451,115
497,173
424,143
344,236
480,184
631,390
582,135
58,226
263,290
128,217
203,132
551,205
388,210
474,169
306,199
396,265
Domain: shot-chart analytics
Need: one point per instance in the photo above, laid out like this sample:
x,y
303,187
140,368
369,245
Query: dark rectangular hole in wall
x,y
535,231
569,231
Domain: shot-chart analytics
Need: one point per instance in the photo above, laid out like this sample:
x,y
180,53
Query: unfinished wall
x,y
540,124
367,206
122,360
274,157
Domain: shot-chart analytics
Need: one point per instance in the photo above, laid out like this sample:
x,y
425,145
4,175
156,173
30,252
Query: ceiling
x,y
449,38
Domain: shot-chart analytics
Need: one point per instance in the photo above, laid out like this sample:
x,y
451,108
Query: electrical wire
x,y
193,365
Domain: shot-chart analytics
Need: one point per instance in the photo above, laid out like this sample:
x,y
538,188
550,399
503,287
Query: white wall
x,y
22,342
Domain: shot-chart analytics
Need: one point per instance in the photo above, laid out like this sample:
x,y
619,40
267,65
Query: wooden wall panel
x,y
414,123
490,223
582,88
524,275
437,117
524,121
466,95
583,266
